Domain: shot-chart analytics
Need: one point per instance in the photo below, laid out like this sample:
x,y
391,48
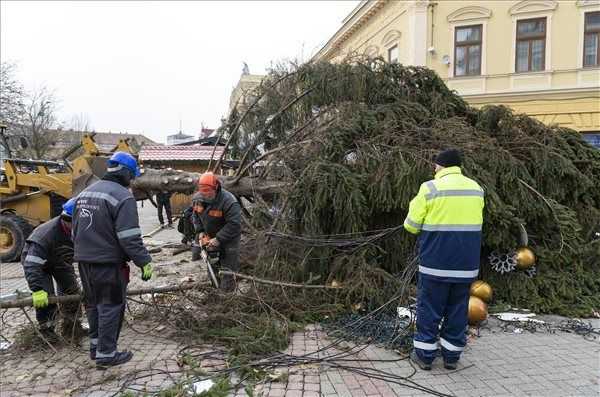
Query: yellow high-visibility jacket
x,y
447,213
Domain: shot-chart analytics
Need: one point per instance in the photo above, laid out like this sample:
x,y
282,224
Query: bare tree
x,y
12,95
39,120
79,122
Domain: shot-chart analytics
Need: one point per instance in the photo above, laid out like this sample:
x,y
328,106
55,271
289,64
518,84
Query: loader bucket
x,y
88,170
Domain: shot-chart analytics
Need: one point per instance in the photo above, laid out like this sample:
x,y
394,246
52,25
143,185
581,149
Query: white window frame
x,y
391,47
548,56
391,39
453,27
546,44
467,16
584,8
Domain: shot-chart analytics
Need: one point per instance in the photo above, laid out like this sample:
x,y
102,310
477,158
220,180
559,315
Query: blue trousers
x,y
446,303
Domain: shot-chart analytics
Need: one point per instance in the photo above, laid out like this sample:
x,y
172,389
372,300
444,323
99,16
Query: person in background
x,y
106,235
48,257
185,226
163,200
447,213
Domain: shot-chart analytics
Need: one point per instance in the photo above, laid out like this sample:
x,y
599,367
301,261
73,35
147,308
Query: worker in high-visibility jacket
x,y
447,214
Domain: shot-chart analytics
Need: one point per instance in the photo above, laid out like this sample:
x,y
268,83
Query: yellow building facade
x,y
539,57
242,94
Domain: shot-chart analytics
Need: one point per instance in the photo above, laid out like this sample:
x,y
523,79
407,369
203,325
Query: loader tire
x,y
14,230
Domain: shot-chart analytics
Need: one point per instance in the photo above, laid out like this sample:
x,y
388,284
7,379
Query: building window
x,y
591,39
531,45
467,50
393,54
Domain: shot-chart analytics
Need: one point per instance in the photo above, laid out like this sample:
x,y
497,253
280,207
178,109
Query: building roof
x,y
178,153
180,135
104,140
210,141
206,132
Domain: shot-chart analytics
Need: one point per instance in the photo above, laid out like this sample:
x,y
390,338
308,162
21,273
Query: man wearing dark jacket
x,y
163,200
185,225
48,255
217,222
106,235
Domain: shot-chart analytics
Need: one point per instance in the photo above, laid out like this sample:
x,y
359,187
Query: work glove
x,y
40,299
147,272
203,239
213,243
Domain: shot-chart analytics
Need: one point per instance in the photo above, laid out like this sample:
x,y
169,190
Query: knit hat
x,y
449,158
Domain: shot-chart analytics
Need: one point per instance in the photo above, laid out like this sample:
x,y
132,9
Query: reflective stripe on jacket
x,y
46,248
106,226
447,213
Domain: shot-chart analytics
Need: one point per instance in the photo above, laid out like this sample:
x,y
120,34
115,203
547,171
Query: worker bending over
x,y
48,256
106,235
217,223
447,213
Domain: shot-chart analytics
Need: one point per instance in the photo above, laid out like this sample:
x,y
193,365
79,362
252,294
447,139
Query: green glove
x,y
40,299
147,272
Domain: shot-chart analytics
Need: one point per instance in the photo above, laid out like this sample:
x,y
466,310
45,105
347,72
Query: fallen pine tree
x,y
331,155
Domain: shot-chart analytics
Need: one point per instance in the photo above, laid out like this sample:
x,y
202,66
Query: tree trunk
x,y
26,302
177,181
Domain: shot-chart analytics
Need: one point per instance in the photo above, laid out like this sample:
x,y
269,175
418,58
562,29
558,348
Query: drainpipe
x,y
432,6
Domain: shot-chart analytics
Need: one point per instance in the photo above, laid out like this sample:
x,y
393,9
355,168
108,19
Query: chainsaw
x,y
209,258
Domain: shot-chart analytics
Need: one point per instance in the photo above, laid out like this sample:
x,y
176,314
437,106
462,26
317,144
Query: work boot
x,y
93,352
422,364
118,359
227,283
450,366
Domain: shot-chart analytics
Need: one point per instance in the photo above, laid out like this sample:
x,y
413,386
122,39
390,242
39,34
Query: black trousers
x,y
66,284
105,289
166,204
229,259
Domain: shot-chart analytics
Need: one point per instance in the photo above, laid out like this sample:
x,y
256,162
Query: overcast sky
x,y
141,66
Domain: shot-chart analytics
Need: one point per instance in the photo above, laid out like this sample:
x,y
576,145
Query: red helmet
x,y
208,179
208,184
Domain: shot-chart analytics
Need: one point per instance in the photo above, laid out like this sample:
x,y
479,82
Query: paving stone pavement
x,y
496,363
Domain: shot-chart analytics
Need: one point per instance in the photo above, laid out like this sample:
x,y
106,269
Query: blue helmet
x,y
126,160
68,207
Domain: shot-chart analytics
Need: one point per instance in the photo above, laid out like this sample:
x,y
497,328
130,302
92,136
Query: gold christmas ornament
x,y
525,258
481,290
477,310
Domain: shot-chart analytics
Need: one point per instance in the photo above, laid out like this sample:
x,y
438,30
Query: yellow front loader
x,y
33,191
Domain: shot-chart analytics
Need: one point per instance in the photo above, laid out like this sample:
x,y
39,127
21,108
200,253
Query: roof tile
x,y
176,152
